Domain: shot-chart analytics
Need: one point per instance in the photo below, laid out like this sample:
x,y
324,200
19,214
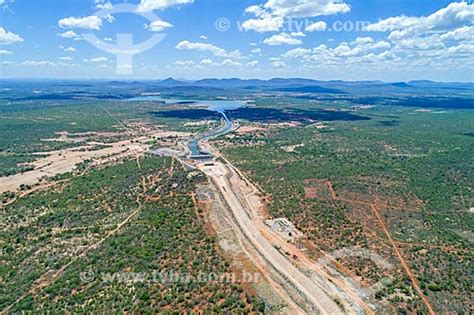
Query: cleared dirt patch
x,y
292,148
250,130
317,189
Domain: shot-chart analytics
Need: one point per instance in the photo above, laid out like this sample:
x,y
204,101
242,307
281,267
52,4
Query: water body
x,y
213,105
220,106
156,98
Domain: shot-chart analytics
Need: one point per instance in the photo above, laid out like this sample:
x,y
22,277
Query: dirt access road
x,y
317,299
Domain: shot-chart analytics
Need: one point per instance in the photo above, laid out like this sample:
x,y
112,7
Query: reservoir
x,y
213,105
220,106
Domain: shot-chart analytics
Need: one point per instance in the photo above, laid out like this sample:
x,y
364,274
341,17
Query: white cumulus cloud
x,y
252,64
44,63
441,38
68,34
306,8
455,15
104,5
264,24
297,53
359,48
206,62
150,5
184,63
67,49
229,62
278,64
270,16
89,22
465,33
158,26
216,51
7,38
226,62
98,59
282,39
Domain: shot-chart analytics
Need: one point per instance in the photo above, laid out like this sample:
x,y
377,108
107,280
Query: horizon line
x,y
184,80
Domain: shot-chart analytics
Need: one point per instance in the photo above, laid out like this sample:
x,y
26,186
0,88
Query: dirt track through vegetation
x,y
402,260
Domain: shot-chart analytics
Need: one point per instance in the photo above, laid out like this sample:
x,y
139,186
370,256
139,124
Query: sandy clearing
x,y
63,161
292,148
291,124
198,123
250,129
174,134
67,137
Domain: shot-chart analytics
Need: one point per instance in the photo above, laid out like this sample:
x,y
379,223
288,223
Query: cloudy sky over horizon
x,y
396,40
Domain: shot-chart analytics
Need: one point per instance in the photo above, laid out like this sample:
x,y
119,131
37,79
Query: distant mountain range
x,y
236,86
294,85
416,93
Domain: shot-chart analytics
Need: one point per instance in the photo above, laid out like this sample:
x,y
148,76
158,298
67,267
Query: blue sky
x,y
397,40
